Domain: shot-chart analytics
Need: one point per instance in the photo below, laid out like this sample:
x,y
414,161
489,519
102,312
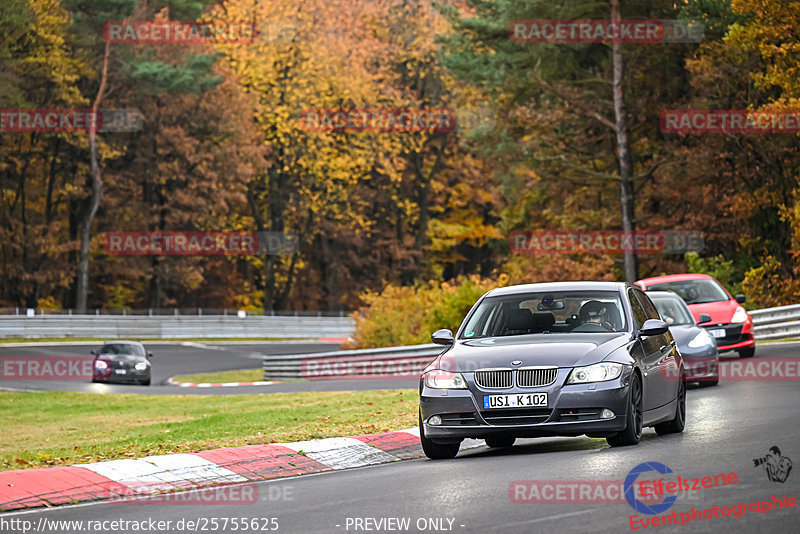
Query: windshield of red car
x,y
694,291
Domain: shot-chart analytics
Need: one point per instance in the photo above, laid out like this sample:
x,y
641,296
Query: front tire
x,y
633,428
497,442
436,451
679,421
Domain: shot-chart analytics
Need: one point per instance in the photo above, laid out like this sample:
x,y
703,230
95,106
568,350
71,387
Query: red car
x,y
730,324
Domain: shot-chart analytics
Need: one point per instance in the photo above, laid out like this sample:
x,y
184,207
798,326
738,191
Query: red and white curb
x,y
172,382
119,479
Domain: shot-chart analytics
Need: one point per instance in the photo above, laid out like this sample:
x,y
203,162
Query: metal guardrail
x,y
776,323
390,362
769,323
33,312
174,326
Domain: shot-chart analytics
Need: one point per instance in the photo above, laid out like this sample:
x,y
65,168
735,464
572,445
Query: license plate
x,y
120,371
718,332
515,401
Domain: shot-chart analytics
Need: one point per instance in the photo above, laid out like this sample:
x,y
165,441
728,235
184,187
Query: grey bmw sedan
x,y
553,359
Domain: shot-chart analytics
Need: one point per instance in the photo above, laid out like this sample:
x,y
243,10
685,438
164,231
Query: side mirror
x,y
704,318
740,298
653,327
92,352
442,337
149,355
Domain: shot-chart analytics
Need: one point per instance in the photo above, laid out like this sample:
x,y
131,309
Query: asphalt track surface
x,y
728,426
189,358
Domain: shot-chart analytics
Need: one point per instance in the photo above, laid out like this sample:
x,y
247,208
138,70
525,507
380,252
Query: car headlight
x,y
439,379
100,364
739,316
598,372
701,340
140,366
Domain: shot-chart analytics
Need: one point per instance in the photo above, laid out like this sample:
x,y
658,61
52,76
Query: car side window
x,y
649,308
639,315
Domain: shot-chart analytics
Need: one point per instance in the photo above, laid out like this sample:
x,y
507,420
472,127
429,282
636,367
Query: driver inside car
x,y
596,312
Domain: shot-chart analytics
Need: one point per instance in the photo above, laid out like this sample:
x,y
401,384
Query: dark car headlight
x,y
599,372
140,366
100,364
438,379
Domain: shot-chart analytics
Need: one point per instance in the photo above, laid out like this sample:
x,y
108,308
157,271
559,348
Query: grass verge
x,y
240,375
58,428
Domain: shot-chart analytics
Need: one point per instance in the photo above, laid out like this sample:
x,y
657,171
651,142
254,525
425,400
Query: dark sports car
x,y
696,345
555,359
122,361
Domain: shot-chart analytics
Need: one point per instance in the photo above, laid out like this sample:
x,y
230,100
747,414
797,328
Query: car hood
x,y
721,312
561,350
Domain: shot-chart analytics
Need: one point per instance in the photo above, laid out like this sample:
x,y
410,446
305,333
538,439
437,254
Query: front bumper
x,y
700,364
572,410
701,369
131,375
737,336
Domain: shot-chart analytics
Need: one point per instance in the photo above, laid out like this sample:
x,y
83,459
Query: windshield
x,y
543,313
694,291
673,311
122,348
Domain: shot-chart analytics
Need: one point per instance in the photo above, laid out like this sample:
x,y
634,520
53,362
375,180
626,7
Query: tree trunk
x,y
97,195
626,191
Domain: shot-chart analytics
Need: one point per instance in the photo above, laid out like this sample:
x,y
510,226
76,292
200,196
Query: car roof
x,y
663,294
121,342
673,278
557,286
